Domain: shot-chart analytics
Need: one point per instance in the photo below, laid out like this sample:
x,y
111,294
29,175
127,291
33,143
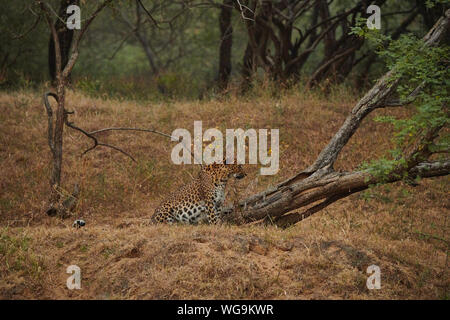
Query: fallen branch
x,y
327,189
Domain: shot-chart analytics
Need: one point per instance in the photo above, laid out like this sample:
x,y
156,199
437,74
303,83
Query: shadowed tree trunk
x,y
65,37
226,42
329,40
247,67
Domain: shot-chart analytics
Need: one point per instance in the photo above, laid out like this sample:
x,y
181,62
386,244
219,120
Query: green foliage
x,y
416,66
186,54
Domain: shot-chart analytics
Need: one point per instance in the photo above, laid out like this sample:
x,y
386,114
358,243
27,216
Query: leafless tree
x,y
56,122
226,42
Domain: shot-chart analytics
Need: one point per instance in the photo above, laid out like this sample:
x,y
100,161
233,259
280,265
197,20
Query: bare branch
x,y
148,14
374,99
133,129
146,130
122,42
96,143
328,63
292,218
242,8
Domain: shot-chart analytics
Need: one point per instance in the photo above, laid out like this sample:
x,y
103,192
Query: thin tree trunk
x,y
58,142
63,66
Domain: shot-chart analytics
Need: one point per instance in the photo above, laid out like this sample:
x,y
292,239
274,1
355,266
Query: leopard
x,y
201,200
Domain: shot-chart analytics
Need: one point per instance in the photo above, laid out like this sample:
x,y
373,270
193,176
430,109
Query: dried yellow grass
x,y
400,228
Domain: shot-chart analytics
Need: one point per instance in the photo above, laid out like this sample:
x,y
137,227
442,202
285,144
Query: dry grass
x,y
400,228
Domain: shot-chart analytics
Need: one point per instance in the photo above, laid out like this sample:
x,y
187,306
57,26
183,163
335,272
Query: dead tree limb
x,y
56,126
349,183
132,129
96,143
90,135
226,43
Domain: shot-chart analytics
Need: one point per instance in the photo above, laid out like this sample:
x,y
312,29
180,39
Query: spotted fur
x,y
202,199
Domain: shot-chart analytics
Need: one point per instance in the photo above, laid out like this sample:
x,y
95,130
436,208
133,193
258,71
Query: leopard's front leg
x,y
213,213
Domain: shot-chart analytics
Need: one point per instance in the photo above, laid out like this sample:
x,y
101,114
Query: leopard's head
x,y
223,171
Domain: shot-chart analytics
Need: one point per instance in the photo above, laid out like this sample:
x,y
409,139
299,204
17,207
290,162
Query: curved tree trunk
x,y
64,62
